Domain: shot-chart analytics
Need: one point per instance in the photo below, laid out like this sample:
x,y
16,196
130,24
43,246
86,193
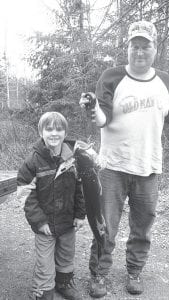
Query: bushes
x,y
16,141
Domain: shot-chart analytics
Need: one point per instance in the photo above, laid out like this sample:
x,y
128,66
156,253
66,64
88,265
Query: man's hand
x,y
78,223
90,103
45,229
88,100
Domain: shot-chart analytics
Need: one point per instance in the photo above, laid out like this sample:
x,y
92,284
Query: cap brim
x,y
141,35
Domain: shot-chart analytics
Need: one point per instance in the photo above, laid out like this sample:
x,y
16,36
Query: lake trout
x,y
86,158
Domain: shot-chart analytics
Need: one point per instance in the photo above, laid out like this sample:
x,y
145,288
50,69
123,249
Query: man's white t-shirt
x,y
131,139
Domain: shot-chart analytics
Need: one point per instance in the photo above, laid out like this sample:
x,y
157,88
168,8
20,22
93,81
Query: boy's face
x,y
53,137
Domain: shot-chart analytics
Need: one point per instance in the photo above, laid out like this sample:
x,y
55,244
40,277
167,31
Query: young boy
x,y
54,208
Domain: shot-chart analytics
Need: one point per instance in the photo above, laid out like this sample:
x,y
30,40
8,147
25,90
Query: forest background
x,y
67,62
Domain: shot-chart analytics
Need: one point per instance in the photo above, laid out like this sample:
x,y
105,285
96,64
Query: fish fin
x,y
101,226
100,186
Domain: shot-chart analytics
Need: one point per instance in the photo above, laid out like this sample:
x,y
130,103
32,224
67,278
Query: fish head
x,y
84,155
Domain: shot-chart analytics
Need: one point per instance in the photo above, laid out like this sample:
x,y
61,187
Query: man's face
x,y
53,137
141,54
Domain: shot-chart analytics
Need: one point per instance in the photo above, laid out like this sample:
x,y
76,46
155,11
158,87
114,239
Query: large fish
x,y
85,158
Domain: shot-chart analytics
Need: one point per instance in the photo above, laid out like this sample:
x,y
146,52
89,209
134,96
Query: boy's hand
x,y
45,229
78,223
38,293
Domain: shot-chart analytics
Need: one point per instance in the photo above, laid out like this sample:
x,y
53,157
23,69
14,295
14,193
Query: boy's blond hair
x,y
54,119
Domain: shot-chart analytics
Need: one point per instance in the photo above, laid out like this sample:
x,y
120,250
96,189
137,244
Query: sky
x,y
19,19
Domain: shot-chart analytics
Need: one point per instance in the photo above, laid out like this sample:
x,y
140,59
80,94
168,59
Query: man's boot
x,y
66,287
134,284
97,287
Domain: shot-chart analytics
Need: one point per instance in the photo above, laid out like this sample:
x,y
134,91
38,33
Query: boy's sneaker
x,y
97,286
134,284
68,290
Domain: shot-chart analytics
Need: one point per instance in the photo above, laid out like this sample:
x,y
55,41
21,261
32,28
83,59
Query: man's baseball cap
x,y
144,29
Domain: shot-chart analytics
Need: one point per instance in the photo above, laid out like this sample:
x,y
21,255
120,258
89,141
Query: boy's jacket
x,y
49,198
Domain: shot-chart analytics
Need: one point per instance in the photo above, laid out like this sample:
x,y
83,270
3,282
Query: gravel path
x,y
17,256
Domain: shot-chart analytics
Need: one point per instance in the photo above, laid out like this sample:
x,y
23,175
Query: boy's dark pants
x,y
52,255
143,194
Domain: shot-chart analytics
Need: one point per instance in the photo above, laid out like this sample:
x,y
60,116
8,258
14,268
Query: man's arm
x,y
99,115
167,119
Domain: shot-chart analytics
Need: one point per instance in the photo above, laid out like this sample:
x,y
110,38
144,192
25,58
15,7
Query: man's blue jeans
x,y
142,193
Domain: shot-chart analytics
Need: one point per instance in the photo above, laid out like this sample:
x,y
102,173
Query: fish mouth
x,y
82,145
86,148
86,151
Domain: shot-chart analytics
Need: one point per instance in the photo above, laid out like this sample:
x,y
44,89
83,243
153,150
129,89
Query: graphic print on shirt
x,y
133,103
132,95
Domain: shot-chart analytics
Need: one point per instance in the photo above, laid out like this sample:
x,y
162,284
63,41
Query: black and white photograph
x,y
84,149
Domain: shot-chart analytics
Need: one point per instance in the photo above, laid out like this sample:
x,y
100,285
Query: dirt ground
x,y
17,256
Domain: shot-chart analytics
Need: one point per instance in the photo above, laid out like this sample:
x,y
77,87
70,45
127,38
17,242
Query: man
x,y
132,102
